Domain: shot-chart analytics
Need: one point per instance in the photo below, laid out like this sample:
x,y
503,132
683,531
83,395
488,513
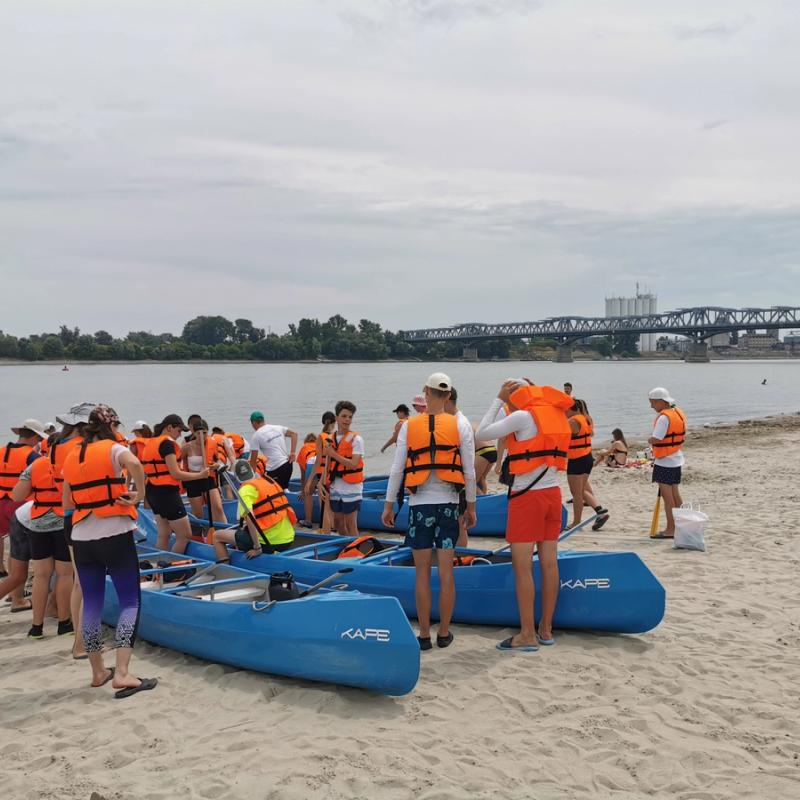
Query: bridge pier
x,y
470,352
697,353
564,354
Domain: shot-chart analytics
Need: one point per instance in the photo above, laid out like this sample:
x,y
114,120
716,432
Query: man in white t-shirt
x,y
270,441
669,433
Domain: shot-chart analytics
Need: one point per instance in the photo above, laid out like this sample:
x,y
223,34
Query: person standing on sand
x,y
270,441
580,464
669,434
103,518
435,457
345,454
318,474
403,414
537,440
451,407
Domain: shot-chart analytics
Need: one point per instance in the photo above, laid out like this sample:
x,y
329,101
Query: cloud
x,y
720,30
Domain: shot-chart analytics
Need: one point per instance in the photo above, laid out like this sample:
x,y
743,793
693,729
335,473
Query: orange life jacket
x,y
550,446
344,447
361,547
676,433
261,465
120,437
58,455
13,461
238,444
271,505
319,464
47,494
305,451
137,445
155,466
44,446
581,443
219,440
433,444
463,561
94,483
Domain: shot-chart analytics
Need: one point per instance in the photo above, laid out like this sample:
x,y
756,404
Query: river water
x,y
296,394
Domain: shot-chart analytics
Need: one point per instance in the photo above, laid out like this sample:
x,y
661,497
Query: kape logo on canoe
x,y
378,634
586,583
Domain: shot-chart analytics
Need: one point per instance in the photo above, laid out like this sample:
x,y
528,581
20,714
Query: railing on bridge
x,y
696,323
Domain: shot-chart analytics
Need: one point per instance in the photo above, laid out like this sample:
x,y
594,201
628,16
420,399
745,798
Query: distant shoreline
x,y
10,362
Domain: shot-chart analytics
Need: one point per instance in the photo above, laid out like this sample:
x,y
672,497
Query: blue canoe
x,y
225,615
375,483
613,592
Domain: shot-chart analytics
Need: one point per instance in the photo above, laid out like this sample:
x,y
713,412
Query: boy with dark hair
x,y
345,467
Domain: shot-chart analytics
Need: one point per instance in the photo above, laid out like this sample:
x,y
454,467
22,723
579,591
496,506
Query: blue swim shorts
x,y
339,506
432,526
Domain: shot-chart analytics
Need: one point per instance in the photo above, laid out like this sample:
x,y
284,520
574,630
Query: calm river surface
x,y
296,394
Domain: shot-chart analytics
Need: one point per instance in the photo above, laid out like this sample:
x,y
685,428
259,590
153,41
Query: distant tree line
x,y
217,338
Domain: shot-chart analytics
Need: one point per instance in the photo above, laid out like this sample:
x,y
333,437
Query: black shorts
x,y
20,549
49,544
199,487
244,542
667,475
282,475
165,501
488,454
580,466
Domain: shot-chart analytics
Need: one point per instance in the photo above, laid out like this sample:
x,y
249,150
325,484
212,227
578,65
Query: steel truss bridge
x,y
697,324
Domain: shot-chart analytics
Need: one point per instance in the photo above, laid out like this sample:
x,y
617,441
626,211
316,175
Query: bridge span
x,y
698,324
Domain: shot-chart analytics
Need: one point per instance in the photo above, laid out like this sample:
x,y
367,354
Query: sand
x,y
706,706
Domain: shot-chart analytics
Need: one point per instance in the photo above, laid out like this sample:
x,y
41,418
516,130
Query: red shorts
x,y
7,509
535,516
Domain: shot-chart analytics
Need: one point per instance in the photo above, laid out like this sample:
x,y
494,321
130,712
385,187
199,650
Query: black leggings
x,y
115,556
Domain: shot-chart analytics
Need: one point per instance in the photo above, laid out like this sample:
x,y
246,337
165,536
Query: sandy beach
x,y
704,707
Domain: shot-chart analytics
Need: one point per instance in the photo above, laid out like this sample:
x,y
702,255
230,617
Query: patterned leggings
x,y
116,557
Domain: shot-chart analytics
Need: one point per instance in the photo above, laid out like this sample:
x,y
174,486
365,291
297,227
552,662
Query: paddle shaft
x,y
249,511
656,513
201,440
312,589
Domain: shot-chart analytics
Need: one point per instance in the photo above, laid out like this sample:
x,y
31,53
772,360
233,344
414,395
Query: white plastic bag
x,y
690,528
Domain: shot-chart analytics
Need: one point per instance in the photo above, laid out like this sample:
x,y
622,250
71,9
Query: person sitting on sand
x,y
402,416
616,455
273,514
669,434
435,458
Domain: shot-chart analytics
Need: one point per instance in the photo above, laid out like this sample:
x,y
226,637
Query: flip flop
x,y
23,608
129,691
662,535
506,646
105,680
546,642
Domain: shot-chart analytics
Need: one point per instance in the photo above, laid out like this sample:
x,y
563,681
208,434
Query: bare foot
x,y
518,640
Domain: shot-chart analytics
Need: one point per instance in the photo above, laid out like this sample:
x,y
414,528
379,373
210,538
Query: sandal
x,y
600,521
424,642
662,535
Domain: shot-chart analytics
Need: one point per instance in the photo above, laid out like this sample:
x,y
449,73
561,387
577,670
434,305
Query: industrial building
x,y
640,303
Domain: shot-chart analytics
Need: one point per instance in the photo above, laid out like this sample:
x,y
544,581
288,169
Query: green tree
x,y
208,330
9,346
245,332
603,346
52,347
103,337
68,336
624,344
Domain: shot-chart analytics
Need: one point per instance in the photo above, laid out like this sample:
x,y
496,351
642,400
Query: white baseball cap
x,y
660,393
140,425
440,381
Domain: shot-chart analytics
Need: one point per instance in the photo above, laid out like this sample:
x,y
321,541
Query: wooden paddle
x,y
656,513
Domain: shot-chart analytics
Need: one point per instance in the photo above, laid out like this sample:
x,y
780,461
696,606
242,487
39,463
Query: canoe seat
x,y
243,594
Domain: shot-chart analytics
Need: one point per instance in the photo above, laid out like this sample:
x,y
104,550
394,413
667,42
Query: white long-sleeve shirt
x,y
435,490
523,426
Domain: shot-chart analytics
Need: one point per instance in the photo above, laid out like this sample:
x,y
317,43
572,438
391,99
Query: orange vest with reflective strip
x,y
361,547
305,451
219,440
94,483
155,467
261,465
676,433
44,446
120,437
271,505
433,445
237,443
58,455
550,446
581,442
344,447
13,460
47,494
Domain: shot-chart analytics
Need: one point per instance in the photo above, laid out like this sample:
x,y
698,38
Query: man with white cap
x,y
436,459
669,434
14,459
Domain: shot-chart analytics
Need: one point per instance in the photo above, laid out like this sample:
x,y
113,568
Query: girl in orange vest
x,y
164,476
306,458
669,434
580,465
103,512
320,462
345,455
203,489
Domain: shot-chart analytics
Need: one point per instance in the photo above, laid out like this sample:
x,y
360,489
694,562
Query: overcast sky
x,y
414,162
